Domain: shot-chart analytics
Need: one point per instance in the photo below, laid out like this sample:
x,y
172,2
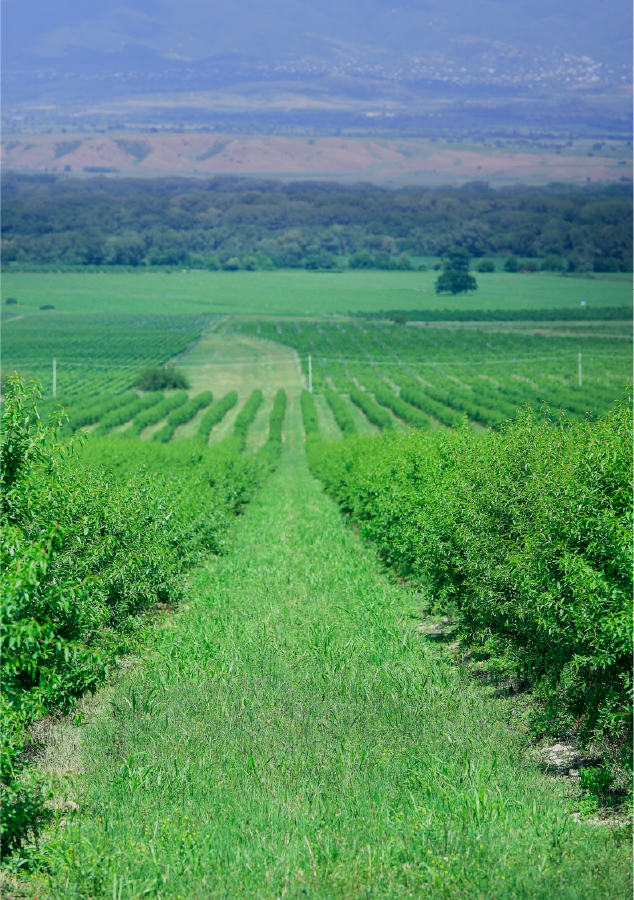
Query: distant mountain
x,y
67,55
37,32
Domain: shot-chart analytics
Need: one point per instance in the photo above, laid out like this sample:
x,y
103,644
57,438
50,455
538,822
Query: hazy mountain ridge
x,y
349,54
299,33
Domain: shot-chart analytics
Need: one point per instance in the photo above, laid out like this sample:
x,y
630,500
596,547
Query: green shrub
x,y
511,264
244,418
155,413
161,378
123,414
527,532
606,264
399,407
182,414
309,414
270,452
553,263
485,265
94,410
278,413
343,416
372,410
89,544
216,414
424,402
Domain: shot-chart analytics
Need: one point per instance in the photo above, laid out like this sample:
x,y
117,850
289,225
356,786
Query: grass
x,y
293,734
297,292
231,362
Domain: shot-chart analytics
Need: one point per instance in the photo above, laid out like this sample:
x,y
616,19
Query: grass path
x,y
294,736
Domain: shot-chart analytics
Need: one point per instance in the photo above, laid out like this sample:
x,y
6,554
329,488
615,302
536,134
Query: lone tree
x,y
456,279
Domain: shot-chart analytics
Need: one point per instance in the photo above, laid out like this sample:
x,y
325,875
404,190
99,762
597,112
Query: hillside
x,y
560,66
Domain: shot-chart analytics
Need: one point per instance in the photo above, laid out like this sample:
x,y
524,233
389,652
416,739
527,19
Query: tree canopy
x,y
230,222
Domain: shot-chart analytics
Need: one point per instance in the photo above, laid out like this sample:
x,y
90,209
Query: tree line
x,y
246,223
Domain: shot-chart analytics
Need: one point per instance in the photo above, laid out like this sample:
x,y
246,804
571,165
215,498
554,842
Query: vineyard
x,y
265,701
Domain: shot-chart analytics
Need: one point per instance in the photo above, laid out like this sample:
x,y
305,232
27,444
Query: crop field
x,y
299,293
215,686
94,352
444,373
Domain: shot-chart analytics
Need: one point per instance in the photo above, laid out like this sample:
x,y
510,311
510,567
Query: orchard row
x,y
434,375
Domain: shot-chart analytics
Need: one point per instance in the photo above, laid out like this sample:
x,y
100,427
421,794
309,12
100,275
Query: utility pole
x,y
54,377
310,374
580,376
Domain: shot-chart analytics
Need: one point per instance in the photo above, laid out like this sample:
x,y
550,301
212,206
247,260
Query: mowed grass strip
x,y
293,735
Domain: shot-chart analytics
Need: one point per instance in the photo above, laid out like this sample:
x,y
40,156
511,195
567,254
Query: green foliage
x,y
182,414
216,414
88,548
278,413
155,413
296,699
511,264
343,416
362,260
485,265
553,263
480,407
94,410
485,375
457,259
563,314
270,452
455,281
170,222
26,446
125,413
98,352
382,261
374,413
403,410
427,404
606,264
165,378
527,532
244,418
309,414
596,781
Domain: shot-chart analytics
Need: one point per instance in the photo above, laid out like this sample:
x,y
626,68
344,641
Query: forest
x,y
237,223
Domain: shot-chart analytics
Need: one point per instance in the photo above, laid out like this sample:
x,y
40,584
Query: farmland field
x,y
299,293
95,352
284,718
473,371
